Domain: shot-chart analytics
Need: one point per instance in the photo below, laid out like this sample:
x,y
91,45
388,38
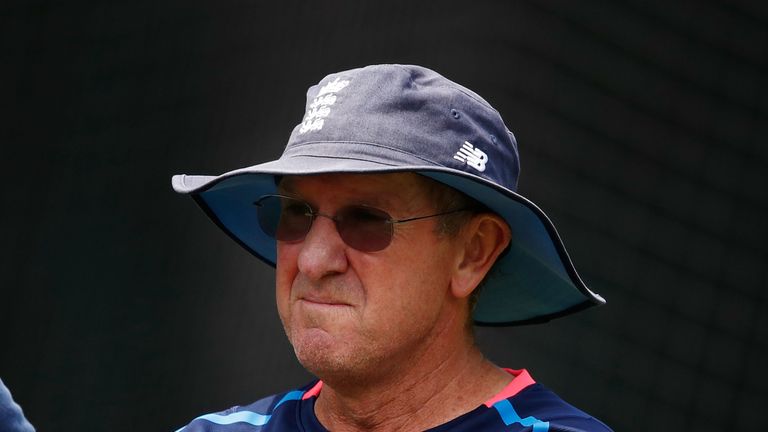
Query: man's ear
x,y
484,238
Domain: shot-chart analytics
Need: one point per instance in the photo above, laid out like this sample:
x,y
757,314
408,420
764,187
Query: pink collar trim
x,y
314,391
521,380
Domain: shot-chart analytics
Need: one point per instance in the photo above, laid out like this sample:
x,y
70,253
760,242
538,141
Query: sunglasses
x,y
366,229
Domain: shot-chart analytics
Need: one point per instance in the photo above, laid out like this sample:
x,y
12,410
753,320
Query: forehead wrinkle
x,y
396,192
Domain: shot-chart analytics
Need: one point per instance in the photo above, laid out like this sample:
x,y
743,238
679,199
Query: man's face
x,y
357,314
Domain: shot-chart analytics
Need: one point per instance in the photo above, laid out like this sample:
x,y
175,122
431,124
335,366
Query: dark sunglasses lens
x,y
284,219
365,229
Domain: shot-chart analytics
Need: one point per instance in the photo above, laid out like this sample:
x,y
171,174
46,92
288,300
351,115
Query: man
x,y
393,224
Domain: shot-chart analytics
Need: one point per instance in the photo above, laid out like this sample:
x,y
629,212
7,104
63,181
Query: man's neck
x,y
423,394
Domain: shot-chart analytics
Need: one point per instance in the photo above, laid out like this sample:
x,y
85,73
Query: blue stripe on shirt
x,y
250,417
510,416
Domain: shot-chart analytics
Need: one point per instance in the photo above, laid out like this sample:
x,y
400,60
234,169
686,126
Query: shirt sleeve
x,y
11,416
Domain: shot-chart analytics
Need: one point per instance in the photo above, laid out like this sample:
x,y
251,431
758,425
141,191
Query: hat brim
x,y
533,281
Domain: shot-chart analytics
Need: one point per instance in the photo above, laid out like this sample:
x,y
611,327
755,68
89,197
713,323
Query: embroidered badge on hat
x,y
320,108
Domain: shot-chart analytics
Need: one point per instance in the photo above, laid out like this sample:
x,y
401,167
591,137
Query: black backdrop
x,y
641,129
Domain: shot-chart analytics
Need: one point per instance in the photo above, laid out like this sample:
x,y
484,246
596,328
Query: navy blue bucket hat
x,y
395,118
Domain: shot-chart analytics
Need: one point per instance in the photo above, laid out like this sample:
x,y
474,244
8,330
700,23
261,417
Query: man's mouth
x,y
323,301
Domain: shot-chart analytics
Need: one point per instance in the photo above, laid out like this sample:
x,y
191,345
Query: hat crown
x,y
395,114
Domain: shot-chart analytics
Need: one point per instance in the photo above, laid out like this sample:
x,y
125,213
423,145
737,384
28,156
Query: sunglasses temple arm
x,y
428,216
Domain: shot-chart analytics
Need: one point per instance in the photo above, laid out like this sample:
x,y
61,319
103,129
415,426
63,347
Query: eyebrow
x,y
395,203
285,185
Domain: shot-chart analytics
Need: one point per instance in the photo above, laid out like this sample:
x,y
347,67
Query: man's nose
x,y
323,252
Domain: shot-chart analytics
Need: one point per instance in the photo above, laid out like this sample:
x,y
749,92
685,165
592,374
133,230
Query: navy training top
x,y
523,405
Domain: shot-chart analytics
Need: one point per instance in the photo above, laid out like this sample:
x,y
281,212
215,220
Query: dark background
x,y
642,134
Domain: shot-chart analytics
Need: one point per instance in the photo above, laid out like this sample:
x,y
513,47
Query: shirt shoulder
x,y
533,409
525,406
545,411
277,412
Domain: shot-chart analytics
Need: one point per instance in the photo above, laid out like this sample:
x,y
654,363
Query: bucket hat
x,y
396,118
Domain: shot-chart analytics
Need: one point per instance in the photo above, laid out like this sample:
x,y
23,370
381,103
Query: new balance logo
x,y
320,108
472,156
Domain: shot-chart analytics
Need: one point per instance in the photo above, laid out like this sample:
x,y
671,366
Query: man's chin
x,y
325,355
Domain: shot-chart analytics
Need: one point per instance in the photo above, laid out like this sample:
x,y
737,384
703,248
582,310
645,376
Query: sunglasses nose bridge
x,y
315,214
341,229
